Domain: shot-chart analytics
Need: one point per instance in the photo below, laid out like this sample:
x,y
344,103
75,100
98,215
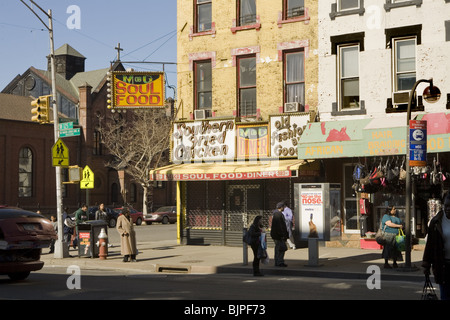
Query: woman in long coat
x,y
128,236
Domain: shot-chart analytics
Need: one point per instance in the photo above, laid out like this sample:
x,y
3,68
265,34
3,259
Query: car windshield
x,y
163,209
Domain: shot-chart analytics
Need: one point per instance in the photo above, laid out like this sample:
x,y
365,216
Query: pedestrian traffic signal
x,y
41,110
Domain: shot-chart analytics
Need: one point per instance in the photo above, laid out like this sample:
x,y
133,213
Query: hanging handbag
x,y
428,292
379,236
400,240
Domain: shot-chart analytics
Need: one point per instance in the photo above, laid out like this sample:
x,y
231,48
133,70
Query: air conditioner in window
x,y
291,107
202,114
400,97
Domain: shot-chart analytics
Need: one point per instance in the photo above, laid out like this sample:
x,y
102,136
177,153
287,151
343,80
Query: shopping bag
x,y
400,240
428,292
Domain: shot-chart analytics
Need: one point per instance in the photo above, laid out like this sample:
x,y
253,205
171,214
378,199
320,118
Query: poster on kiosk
x,y
317,211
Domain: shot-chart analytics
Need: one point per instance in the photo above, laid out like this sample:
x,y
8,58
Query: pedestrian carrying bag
x,y
428,292
400,240
247,237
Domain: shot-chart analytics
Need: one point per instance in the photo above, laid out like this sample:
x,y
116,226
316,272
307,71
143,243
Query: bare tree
x,y
137,142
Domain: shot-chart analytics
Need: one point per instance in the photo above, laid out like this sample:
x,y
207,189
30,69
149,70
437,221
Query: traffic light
x,y
41,110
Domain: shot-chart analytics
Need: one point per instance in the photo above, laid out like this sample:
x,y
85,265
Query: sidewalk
x,y
168,257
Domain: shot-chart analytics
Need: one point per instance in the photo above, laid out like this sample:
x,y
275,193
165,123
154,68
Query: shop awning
x,y
236,170
371,137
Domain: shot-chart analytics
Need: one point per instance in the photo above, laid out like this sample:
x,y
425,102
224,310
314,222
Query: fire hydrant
x,y
103,244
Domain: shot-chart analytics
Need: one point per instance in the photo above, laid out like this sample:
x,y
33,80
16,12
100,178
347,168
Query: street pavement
x,y
169,257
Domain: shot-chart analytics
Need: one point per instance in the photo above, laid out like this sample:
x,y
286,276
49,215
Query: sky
x,y
145,29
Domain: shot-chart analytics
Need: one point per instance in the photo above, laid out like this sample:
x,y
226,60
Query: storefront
x,y
227,173
379,145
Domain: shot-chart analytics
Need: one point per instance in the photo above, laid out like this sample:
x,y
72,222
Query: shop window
x,y
25,173
294,78
348,84
203,13
246,85
350,202
203,85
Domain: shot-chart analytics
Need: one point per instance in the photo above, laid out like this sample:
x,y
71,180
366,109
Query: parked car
x,y
111,215
136,216
167,214
22,236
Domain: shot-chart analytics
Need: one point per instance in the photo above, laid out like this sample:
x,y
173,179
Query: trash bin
x,y
88,237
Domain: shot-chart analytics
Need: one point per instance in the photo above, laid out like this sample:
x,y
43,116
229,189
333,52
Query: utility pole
x,y
61,248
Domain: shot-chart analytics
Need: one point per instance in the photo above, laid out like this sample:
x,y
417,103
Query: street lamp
x,y
431,94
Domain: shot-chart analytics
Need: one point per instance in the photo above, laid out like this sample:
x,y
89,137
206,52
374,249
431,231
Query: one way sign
x,y
87,181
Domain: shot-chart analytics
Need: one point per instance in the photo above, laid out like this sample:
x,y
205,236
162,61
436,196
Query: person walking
x,y
289,217
101,214
68,228
128,236
255,231
436,255
391,225
279,235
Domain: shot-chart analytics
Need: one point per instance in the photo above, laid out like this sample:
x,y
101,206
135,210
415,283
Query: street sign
x,y
66,125
60,154
88,179
418,143
69,133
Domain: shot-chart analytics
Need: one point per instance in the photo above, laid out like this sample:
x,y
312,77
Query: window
x,y
348,77
203,15
25,173
293,8
294,76
247,85
348,5
404,63
203,85
246,12
97,150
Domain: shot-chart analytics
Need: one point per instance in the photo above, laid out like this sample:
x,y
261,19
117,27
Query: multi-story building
x,y
247,87
371,54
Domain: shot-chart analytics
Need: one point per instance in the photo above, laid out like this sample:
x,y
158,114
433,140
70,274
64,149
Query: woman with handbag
x,y
255,231
391,225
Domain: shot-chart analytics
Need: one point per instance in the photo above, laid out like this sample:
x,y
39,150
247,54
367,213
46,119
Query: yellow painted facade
x,y
268,40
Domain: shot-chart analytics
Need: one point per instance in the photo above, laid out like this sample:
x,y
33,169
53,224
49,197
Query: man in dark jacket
x,y
279,235
436,255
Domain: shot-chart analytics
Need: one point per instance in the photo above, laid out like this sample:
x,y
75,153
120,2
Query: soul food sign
x,y
203,141
137,89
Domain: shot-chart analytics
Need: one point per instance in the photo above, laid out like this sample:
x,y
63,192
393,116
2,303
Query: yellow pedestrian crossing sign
x,y
60,154
87,181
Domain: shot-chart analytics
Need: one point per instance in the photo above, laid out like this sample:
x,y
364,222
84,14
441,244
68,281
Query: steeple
x,y
68,61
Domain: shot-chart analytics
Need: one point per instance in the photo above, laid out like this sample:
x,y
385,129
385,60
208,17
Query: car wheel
x,y
138,221
19,275
165,220
112,223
